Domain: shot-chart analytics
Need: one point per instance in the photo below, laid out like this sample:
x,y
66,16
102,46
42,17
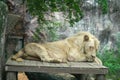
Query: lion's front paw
x,y
13,57
90,59
19,59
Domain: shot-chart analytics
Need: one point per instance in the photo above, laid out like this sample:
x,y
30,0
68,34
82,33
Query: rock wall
x,y
3,20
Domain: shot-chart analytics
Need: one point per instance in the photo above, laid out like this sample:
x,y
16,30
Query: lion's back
x,y
33,49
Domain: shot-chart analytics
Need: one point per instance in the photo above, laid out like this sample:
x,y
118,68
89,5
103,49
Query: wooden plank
x,y
56,69
68,64
69,67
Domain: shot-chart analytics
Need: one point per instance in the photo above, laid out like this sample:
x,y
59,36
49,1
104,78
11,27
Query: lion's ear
x,y
86,38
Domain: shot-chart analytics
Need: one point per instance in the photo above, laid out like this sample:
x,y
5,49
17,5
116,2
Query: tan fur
x,y
80,47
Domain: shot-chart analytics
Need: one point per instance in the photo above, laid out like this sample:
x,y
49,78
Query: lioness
x,y
79,47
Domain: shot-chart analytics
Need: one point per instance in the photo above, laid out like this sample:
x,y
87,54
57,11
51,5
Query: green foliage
x,y
103,5
111,59
70,7
50,28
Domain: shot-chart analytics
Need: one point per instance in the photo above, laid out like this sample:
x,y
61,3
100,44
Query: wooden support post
x,y
11,75
100,77
80,76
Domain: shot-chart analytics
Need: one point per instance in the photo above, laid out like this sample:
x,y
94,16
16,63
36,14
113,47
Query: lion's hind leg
x,y
44,56
17,56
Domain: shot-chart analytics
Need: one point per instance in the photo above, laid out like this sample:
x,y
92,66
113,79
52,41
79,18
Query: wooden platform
x,y
44,67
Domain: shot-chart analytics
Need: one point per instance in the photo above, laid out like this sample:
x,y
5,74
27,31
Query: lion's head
x,y
91,45
84,46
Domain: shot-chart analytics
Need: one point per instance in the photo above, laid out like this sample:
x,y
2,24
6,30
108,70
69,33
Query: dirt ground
x,y
22,76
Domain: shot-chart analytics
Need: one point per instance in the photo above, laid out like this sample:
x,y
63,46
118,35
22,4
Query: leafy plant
x,y
72,8
50,28
103,5
111,59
